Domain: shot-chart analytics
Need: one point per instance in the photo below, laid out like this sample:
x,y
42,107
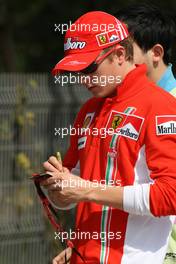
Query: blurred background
x,y
31,107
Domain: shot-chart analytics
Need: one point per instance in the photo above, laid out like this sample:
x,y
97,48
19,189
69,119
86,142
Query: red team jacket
x,y
141,156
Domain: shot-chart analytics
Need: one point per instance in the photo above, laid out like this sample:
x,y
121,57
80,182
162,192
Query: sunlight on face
x,y
108,79
139,55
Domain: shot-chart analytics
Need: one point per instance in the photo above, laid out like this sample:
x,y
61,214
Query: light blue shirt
x,y
168,81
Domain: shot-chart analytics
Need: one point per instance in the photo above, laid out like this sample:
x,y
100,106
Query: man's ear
x,y
120,54
157,53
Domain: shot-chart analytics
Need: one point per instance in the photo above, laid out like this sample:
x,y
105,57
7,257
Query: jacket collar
x,y
132,83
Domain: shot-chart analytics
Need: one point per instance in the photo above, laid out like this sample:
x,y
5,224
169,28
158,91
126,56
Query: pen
x,y
59,158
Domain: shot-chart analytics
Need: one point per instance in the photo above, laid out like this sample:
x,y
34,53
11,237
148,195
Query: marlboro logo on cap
x,y
71,44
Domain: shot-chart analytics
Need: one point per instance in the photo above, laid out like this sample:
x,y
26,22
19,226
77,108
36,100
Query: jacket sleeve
x,y
157,198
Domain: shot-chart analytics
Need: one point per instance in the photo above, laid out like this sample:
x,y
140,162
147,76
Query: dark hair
x,y
149,26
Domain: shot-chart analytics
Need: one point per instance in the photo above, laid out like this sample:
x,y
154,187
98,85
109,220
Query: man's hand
x,y
60,259
63,188
66,188
53,164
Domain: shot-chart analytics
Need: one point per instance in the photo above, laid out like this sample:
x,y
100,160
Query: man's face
x,y
103,82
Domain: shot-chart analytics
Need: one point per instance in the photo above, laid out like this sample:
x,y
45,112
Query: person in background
x,y
154,37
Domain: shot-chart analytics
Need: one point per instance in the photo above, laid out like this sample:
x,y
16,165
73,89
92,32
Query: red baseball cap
x,y
87,37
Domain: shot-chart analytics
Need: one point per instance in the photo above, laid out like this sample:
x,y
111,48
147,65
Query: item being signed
x,y
51,211
40,176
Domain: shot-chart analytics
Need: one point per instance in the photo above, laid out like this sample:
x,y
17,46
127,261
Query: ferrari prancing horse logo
x,y
102,39
116,121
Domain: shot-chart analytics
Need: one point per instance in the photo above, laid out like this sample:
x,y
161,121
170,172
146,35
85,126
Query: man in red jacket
x,y
125,156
